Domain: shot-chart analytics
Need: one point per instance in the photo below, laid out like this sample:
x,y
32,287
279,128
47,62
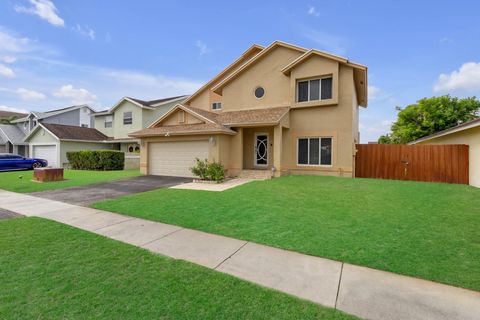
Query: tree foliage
x,y
431,115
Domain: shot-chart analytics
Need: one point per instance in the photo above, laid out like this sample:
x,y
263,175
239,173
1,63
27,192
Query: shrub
x,y
208,171
215,171
96,160
200,168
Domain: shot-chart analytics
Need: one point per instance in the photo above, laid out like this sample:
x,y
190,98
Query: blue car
x,y
10,161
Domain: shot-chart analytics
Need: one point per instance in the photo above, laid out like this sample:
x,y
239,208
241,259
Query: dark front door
x,y
261,149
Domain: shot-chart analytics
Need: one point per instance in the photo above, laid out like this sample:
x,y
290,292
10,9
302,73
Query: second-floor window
x,y
314,89
216,105
108,121
127,117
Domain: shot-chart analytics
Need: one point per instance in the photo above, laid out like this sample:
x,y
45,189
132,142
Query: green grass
x,y
425,230
10,180
52,271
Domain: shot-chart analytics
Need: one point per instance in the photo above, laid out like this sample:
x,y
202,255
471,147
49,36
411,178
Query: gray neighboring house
x,y
52,142
11,140
19,129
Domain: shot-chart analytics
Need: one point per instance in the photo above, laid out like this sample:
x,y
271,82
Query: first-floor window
x,y
315,151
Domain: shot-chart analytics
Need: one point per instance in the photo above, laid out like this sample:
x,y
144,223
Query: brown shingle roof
x,y
9,114
270,115
64,132
229,118
219,122
203,128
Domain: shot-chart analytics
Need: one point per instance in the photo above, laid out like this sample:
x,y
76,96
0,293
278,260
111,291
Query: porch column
x,y
277,149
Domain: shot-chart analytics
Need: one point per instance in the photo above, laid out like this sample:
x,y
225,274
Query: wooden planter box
x,y
47,174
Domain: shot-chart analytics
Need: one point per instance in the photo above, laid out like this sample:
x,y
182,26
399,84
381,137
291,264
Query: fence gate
x,y
432,163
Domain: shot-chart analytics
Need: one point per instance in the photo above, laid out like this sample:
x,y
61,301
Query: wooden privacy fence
x,y
432,163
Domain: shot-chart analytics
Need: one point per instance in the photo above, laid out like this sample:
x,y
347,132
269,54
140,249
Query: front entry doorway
x,y
261,150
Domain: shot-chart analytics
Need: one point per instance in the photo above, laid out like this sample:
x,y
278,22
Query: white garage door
x,y
175,158
47,152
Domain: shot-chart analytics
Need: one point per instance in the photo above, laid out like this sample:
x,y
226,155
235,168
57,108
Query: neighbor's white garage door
x,y
47,152
175,158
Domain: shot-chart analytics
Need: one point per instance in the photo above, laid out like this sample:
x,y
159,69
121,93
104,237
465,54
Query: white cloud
x,y
74,95
11,43
374,129
373,92
202,47
11,109
8,59
465,79
6,71
325,40
30,95
313,11
45,9
86,31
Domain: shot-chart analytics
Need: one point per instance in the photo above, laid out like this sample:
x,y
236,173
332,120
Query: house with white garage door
x,y
280,109
16,132
52,142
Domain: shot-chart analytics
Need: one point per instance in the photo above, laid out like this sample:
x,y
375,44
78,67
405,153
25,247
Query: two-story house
x,y
15,133
130,115
281,109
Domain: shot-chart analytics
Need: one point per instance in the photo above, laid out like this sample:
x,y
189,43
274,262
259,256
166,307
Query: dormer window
x,y
216,106
314,89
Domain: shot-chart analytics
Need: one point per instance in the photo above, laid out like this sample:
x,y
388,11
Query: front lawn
x,y
52,271
21,181
424,230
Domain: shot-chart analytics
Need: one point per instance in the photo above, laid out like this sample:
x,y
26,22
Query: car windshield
x,y
10,156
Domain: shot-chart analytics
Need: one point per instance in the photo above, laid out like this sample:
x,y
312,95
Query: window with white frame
x,y
127,117
108,121
314,151
216,105
314,89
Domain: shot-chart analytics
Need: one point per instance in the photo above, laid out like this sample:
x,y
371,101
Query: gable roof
x,y
214,122
150,105
73,133
461,127
47,114
360,71
217,88
252,49
13,134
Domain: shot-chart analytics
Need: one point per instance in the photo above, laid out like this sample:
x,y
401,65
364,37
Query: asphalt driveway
x,y
6,214
86,195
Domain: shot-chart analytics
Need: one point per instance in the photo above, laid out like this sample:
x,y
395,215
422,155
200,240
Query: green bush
x,y
215,171
96,160
208,171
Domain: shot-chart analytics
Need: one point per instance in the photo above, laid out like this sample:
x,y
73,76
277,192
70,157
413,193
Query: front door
x,y
261,149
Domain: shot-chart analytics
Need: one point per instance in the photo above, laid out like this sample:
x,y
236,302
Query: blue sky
x,y
56,53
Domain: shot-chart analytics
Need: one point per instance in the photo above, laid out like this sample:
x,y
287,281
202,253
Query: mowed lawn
x,y
52,271
21,181
425,230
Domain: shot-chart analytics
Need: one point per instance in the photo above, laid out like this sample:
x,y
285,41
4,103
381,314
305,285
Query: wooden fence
x,y
432,163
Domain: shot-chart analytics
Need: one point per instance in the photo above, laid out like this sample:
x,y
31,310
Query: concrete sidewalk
x,y
359,291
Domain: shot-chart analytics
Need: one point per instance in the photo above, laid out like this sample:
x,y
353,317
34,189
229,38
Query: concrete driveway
x,y
86,195
5,214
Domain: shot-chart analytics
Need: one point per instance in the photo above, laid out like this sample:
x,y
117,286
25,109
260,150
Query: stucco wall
x,y
470,137
99,124
120,130
42,136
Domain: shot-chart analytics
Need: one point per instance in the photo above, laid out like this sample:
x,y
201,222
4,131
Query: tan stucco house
x,y
467,133
278,110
